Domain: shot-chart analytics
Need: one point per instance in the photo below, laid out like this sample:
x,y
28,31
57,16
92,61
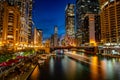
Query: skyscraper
x,y
87,21
70,20
25,7
19,15
52,40
37,37
55,36
110,21
9,26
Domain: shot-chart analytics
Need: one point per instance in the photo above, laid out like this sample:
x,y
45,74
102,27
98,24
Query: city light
x,y
60,39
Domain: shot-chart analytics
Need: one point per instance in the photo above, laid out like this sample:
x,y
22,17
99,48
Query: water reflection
x,y
65,68
109,68
94,68
35,74
51,66
103,68
69,67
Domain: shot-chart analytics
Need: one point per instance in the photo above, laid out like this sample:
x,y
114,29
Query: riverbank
x,y
111,55
27,74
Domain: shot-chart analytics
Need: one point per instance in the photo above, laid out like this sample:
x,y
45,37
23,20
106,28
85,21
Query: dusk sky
x,y
48,13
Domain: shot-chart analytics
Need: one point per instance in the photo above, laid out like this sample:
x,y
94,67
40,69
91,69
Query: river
x,y
62,67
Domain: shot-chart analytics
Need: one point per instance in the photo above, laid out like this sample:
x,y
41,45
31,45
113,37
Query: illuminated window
x,y
111,0
10,23
11,11
10,36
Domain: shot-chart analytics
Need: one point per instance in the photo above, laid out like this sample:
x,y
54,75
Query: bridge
x,y
86,48
70,47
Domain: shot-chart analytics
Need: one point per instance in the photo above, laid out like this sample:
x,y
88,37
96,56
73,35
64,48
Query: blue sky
x,y
48,13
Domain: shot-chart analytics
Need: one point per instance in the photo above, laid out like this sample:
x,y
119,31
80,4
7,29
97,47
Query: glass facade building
x,y
70,20
87,21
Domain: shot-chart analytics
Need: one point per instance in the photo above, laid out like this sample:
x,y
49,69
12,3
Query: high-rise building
x,y
1,22
52,41
24,22
110,21
25,7
70,20
87,22
55,36
10,26
37,37
41,36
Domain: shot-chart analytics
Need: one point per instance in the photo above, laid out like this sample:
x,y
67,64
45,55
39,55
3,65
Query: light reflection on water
x,y
35,74
98,68
69,67
94,67
51,66
103,69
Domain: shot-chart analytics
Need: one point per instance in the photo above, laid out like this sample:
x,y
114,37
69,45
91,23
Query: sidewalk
x,y
27,73
14,74
10,69
22,76
111,55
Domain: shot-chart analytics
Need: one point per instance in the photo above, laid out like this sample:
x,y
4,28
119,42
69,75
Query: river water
x,y
62,67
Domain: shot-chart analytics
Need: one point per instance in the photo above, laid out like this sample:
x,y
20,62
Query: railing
x,y
69,47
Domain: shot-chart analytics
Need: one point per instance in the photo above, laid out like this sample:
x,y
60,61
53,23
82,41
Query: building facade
x,y
10,26
16,20
25,7
1,22
52,40
70,20
55,36
37,37
87,22
110,26
110,21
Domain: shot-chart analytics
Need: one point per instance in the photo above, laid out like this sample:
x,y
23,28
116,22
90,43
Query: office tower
x,y
25,7
52,40
87,22
37,37
41,36
55,36
70,20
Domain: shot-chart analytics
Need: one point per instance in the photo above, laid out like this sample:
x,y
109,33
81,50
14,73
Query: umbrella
x,y
20,57
3,64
